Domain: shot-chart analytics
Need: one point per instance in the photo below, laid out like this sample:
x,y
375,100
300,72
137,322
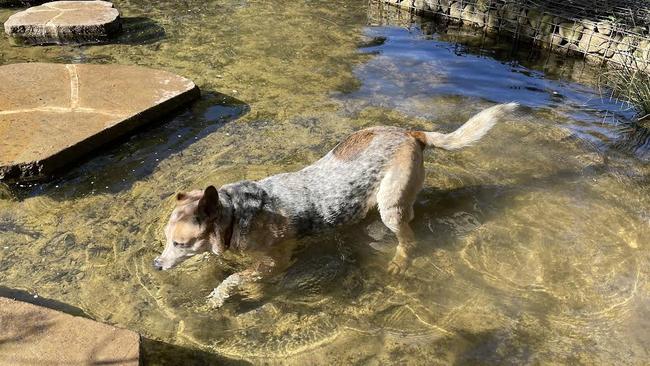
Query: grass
x,y
628,84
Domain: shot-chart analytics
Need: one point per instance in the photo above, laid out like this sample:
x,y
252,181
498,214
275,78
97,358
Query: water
x,y
532,244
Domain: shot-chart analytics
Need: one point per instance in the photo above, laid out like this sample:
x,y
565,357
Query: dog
x,y
378,167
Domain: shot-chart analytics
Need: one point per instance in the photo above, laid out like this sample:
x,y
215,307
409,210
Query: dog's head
x,y
200,222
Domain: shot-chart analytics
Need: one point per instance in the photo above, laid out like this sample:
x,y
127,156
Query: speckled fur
x,y
376,167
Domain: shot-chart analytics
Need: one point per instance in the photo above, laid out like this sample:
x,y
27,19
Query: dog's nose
x,y
157,265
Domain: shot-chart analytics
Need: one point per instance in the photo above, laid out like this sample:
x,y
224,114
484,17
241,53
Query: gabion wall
x,y
612,32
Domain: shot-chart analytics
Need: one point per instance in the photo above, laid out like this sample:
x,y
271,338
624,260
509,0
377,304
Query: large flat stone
x,y
54,114
34,335
65,22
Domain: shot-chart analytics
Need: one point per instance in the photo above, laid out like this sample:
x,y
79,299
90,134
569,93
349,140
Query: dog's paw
x,y
217,298
398,265
395,268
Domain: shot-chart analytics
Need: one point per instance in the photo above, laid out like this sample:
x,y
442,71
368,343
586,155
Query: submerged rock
x,y
64,22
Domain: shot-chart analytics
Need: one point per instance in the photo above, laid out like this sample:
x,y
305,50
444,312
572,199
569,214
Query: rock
x,y
400,3
534,18
604,27
592,41
522,18
548,24
62,22
589,24
36,335
556,39
368,41
456,11
473,16
642,51
594,58
571,32
482,6
639,30
626,44
492,19
609,48
53,114
433,5
510,11
622,58
445,5
423,5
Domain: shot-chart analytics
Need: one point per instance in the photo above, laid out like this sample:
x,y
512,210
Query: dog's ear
x,y
209,203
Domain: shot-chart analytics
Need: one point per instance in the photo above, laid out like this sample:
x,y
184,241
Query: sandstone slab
x,y
54,114
34,335
64,22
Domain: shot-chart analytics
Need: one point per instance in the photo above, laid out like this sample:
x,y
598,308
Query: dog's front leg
x,y
231,285
265,268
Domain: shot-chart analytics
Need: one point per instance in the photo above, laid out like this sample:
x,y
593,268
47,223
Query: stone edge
x,y
42,169
80,317
65,34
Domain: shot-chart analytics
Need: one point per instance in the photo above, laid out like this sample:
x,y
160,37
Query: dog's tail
x,y
470,132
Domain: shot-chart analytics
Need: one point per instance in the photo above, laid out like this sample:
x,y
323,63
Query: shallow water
x,y
532,244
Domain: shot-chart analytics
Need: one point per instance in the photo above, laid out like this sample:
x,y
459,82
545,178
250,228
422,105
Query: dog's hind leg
x,y
395,197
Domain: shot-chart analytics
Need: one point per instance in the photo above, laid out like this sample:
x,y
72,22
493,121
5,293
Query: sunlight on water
x,y
532,244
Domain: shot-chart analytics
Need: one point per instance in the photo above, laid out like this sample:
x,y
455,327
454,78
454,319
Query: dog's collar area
x,y
227,238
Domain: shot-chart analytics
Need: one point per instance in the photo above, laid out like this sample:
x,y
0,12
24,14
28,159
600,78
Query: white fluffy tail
x,y
472,130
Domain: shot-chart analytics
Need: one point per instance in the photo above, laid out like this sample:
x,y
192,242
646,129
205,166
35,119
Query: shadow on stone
x,y
26,326
35,334
139,30
161,353
25,296
73,109
124,161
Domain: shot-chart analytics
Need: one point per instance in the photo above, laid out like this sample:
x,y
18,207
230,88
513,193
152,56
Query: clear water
x,y
533,244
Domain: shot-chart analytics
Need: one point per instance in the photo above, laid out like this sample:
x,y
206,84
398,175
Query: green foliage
x,y
629,84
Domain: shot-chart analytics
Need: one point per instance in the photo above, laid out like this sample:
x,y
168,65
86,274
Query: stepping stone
x,y
53,114
34,335
64,22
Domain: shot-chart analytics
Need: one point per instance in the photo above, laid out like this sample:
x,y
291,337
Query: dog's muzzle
x,y
157,264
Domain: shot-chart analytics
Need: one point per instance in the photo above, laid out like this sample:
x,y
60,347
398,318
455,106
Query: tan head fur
x,y
199,223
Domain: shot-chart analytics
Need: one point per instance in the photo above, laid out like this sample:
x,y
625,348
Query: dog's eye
x,y
177,244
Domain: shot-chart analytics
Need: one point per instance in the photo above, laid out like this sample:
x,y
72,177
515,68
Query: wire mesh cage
x,y
603,31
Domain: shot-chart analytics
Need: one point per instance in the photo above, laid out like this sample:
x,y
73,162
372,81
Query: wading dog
x,y
376,167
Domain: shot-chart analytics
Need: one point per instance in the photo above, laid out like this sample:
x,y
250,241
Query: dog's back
x,y
342,186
